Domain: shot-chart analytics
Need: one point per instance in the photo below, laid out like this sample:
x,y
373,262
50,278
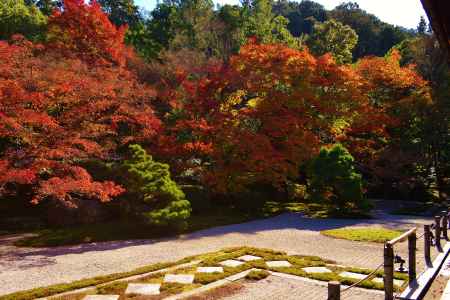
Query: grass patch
x,y
115,288
257,275
363,234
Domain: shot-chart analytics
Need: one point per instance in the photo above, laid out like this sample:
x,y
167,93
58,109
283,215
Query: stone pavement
x,y
25,268
276,288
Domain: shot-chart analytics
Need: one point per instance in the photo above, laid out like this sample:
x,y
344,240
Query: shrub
x,y
150,182
334,181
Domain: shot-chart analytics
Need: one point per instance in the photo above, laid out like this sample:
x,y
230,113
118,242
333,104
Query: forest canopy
x,y
108,111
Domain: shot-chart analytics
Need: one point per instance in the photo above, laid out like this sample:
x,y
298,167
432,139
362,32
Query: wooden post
x,y
444,225
437,232
388,277
334,290
412,239
427,244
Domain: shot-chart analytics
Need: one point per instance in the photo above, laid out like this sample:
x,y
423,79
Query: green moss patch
x,y
257,275
363,234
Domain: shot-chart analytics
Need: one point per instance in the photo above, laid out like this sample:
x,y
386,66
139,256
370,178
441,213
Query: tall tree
x,y
69,27
122,12
260,22
335,38
431,137
301,16
422,26
375,36
46,6
18,18
68,102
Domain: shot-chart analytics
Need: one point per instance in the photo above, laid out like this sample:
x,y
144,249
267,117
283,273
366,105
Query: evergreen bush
x,y
150,182
333,180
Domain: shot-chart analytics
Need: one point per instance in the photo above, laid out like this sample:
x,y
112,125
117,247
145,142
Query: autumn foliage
x,y
58,110
257,119
83,30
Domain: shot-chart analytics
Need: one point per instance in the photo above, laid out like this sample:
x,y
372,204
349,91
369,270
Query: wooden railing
x,y
440,228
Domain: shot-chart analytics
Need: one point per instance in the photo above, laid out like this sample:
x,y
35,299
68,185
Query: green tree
x,y
334,181
422,27
46,6
149,181
230,34
335,38
429,138
193,30
17,17
374,36
260,22
301,15
122,12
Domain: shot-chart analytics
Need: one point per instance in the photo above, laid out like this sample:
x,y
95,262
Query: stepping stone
x,y
249,258
143,288
278,264
101,297
352,275
231,263
209,270
179,278
397,282
316,270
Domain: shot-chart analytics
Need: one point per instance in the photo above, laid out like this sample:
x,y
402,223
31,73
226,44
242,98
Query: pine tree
x,y
150,182
422,27
334,180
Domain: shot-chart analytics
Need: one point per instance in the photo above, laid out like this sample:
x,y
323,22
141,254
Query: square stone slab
x,y
278,264
143,288
249,258
316,270
209,270
179,278
397,282
101,297
231,263
358,276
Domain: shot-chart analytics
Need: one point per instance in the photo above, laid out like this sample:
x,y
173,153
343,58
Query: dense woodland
x,y
111,112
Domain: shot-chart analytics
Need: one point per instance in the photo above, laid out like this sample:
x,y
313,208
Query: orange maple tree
x,y
259,118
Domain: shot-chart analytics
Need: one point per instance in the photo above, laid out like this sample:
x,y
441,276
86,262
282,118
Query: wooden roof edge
x,y
438,12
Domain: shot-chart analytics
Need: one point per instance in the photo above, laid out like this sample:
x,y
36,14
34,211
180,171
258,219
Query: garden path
x,y
25,268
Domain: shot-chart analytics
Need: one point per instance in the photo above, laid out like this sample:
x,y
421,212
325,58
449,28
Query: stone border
x,y
322,283
125,279
241,275
417,289
211,285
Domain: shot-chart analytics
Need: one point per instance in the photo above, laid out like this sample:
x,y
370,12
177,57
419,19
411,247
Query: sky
x,y
404,13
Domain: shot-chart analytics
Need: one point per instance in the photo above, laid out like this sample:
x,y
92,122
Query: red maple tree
x,y
68,102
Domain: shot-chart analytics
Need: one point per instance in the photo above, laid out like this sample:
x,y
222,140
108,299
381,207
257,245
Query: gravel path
x,y
276,288
25,268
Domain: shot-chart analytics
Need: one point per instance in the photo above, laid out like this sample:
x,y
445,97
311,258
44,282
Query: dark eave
x,y
438,12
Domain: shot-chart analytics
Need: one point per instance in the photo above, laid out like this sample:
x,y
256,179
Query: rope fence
x,y
432,235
